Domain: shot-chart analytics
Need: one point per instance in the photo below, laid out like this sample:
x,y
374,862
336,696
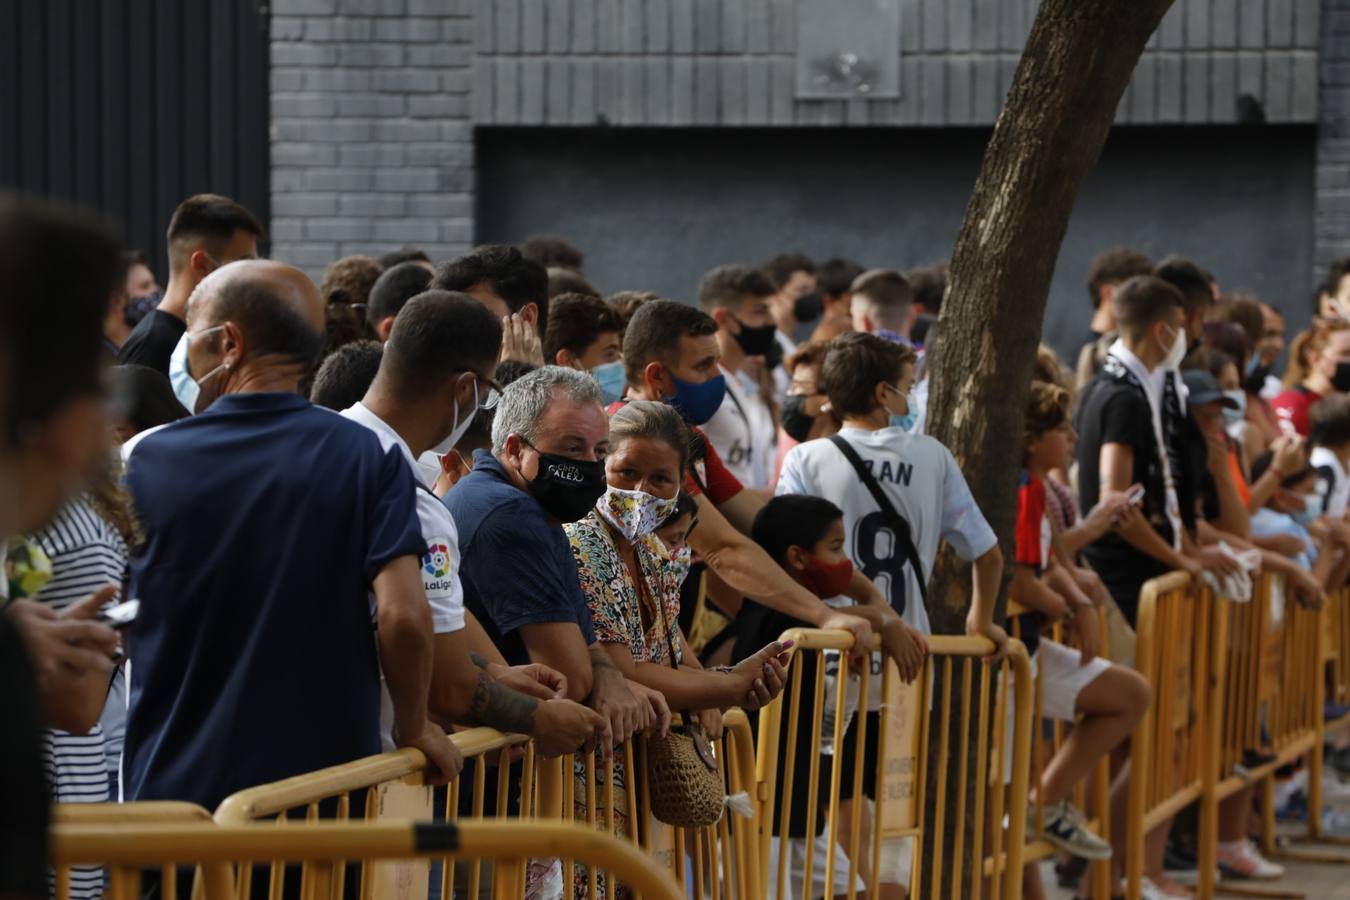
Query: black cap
x,y
1201,388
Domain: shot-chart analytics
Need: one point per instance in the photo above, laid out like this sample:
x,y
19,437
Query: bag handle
x,y
899,525
644,587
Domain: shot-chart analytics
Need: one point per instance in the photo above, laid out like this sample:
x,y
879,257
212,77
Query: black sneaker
x,y
1069,874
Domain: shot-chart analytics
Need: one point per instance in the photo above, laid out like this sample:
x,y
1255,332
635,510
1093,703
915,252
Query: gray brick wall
x,y
372,147
1331,227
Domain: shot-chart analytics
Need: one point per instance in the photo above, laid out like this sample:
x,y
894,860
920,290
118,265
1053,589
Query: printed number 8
x,y
871,564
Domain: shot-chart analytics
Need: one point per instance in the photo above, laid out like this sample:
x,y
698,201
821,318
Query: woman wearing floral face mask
x,y
632,583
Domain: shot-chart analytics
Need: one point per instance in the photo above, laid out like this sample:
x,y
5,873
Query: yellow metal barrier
x,y
326,848
1097,790
902,767
119,814
573,789
1168,752
390,786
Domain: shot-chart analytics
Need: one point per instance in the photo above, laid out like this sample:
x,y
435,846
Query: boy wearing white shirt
x,y
744,430
867,379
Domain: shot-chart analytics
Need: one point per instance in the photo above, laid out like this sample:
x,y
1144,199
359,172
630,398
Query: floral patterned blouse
x,y
615,602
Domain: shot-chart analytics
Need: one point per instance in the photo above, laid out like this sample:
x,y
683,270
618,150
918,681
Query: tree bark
x,y
1078,60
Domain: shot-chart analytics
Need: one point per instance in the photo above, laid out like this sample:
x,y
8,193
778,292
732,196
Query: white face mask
x,y
1176,353
185,387
458,429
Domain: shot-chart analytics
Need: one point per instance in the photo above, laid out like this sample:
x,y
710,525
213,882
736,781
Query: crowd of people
x,y
261,526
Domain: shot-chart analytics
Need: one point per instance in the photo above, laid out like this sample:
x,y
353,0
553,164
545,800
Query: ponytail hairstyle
x,y
1308,344
1047,409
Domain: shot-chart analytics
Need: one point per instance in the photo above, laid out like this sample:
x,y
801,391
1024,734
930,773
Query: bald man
x,y
269,523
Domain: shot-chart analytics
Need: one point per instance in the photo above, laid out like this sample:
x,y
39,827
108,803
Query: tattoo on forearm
x,y
499,707
478,660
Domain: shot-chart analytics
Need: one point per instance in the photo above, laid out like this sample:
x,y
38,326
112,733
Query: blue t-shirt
x,y
253,657
518,566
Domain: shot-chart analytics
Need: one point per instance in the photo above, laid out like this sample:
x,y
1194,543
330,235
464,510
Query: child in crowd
x,y
805,536
901,493
1074,682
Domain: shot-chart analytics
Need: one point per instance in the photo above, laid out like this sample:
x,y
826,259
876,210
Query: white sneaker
x,y
1065,828
1242,860
1150,891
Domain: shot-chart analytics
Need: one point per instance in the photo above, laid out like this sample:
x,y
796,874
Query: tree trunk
x,y
1072,74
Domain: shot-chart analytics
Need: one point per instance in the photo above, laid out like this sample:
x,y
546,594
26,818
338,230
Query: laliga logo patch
x,y
436,560
565,473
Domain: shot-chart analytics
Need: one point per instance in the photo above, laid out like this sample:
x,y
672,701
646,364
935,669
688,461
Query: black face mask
x,y
756,341
1341,380
808,307
567,488
795,420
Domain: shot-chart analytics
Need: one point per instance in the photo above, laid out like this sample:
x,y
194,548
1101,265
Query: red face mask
x,y
827,580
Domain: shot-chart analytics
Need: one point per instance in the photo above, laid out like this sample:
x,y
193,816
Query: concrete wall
x,y
731,62
1332,227
654,209
375,105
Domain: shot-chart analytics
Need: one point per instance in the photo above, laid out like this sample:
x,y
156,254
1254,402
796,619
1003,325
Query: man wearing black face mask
x,y
743,430
549,437
434,376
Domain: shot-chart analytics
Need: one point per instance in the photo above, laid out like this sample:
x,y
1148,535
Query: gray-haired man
x,y
549,439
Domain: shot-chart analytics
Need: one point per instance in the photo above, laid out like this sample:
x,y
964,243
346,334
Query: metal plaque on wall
x,y
848,49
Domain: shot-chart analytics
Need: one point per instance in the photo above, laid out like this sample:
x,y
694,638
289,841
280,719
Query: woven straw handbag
x,y
683,780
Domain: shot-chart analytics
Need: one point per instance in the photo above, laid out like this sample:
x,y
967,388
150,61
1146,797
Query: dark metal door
x,y
128,106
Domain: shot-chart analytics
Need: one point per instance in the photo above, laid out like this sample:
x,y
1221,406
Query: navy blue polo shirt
x,y
518,566
253,656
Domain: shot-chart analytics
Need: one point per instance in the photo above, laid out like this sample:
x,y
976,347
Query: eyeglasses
x,y
493,395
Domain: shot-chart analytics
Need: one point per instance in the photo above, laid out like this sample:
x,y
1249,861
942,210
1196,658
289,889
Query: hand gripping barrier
x,y
326,848
575,788
790,733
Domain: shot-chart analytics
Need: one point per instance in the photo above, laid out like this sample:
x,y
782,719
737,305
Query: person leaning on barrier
x,y
545,469
268,522
433,379
1103,700
632,581
670,353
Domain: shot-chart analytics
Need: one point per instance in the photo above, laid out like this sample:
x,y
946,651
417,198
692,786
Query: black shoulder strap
x,y
898,523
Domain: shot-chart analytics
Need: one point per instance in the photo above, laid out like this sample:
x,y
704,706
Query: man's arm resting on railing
x,y
404,635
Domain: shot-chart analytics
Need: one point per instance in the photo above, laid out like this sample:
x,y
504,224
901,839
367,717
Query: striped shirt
x,y
86,554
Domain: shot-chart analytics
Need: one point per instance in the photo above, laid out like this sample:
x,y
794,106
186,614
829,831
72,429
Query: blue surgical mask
x,y
185,387
1240,398
1312,508
612,379
699,401
905,422
906,419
